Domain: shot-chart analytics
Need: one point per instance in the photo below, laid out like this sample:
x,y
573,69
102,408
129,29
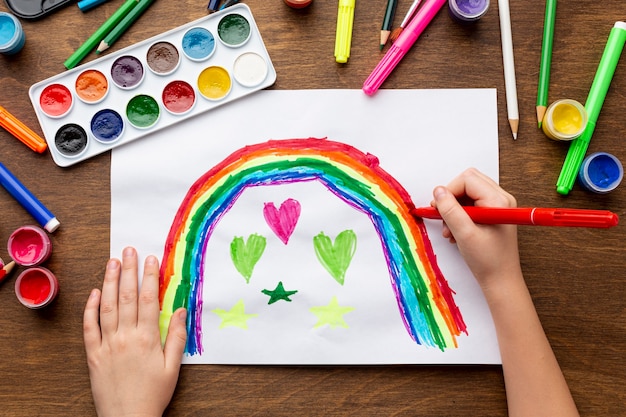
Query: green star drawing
x,y
331,314
235,317
278,294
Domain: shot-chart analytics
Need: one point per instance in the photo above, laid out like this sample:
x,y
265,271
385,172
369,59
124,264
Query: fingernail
x,y
151,260
93,294
182,315
440,192
112,264
128,252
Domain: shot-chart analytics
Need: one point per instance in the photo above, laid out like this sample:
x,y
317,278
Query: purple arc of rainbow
x,y
425,300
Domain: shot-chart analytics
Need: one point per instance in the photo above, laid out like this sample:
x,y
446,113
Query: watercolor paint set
x,y
152,85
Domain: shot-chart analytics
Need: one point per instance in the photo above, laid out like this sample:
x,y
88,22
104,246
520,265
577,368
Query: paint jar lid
x,y
601,172
36,287
29,246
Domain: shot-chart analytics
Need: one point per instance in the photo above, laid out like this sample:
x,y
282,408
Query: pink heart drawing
x,y
282,221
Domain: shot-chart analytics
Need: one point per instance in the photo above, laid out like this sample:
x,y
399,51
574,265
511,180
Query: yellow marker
x,y
564,120
214,83
343,38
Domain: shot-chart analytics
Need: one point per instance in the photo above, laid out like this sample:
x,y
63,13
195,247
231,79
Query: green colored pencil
x,y
124,25
546,59
99,34
385,30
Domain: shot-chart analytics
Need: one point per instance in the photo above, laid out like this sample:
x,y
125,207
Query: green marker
x,y
595,99
99,34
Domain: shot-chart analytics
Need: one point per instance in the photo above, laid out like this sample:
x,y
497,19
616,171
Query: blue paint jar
x,y
600,172
12,37
467,11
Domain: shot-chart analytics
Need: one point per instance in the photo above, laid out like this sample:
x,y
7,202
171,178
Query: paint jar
x,y
12,37
298,4
467,11
36,287
564,120
601,172
29,246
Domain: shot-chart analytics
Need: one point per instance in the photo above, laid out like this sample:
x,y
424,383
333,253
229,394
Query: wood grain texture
x,y
575,276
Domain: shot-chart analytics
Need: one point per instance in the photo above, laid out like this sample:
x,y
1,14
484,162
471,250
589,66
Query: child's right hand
x,y
490,251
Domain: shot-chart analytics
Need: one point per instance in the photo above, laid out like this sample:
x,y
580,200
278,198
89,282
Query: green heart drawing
x,y
336,257
245,255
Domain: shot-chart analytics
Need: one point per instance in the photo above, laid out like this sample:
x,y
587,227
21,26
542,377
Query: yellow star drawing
x,y
331,314
235,317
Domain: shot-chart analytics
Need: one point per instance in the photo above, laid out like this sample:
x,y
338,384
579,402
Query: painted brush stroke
x,y
425,300
335,257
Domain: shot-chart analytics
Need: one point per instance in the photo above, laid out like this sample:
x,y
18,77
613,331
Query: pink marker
x,y
402,45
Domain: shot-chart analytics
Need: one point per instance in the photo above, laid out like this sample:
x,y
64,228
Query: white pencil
x,y
509,65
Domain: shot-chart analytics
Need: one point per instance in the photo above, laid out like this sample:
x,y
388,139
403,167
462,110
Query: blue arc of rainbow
x,y
425,300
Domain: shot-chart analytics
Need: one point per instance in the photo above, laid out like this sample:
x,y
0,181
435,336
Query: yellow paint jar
x,y
564,120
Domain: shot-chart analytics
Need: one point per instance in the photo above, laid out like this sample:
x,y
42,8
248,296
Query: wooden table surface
x,y
576,276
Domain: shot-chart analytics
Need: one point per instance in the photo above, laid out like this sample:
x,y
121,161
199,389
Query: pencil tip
x,y
541,111
382,45
514,125
395,34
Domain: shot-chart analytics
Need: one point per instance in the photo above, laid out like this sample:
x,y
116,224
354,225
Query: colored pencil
x,y
531,216
123,25
21,131
597,94
385,29
6,270
509,65
546,60
397,31
99,34
401,46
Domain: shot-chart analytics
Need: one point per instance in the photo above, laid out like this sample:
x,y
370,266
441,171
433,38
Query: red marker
x,y
531,216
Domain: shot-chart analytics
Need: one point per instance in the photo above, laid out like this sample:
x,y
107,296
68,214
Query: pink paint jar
x,y
36,287
29,246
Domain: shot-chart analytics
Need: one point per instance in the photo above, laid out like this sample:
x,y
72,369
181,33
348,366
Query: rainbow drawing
x,y
425,300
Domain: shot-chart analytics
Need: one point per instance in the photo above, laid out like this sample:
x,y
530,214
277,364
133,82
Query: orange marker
x,y
21,131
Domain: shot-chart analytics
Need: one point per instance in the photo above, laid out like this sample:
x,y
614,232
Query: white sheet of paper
x,y
423,138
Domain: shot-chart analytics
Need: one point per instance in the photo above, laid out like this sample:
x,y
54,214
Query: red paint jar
x,y
36,287
29,246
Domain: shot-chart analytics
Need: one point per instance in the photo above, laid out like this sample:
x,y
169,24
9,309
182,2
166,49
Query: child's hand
x,y
491,252
131,374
